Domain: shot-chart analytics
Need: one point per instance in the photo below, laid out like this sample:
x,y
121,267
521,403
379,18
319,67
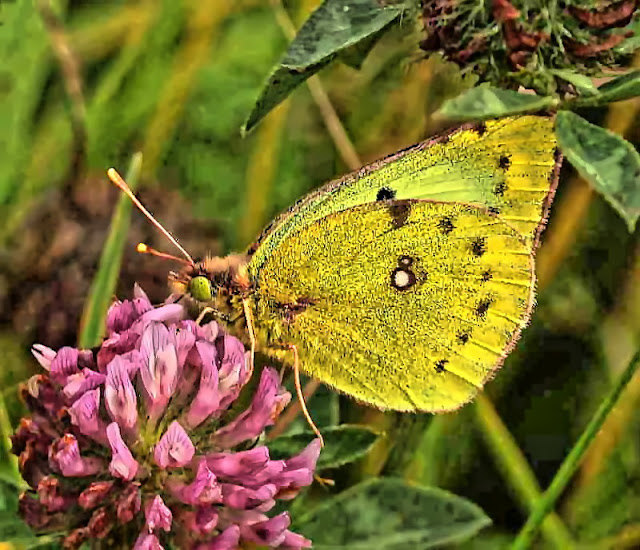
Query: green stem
x,y
564,474
516,470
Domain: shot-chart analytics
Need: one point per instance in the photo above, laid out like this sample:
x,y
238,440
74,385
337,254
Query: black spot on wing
x,y
402,278
487,276
499,189
479,246
405,260
482,307
290,311
463,337
385,193
446,225
440,365
494,210
399,213
504,162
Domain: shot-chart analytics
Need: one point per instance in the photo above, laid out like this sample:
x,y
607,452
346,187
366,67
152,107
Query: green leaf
x,y
342,444
581,82
279,85
12,528
607,161
106,278
354,56
620,88
486,102
336,26
388,514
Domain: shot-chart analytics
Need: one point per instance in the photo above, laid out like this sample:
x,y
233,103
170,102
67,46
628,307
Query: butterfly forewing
x,y
408,305
508,166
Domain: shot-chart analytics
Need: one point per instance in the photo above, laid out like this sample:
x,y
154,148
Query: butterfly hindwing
x,y
508,166
403,304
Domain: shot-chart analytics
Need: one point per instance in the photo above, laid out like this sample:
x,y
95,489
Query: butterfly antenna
x,y
303,405
120,183
143,248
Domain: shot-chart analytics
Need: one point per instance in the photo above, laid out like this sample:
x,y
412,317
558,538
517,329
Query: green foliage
x,y
623,87
389,514
338,27
607,161
484,102
343,444
106,278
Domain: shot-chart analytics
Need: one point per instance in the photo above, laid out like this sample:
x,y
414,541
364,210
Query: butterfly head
x,y
203,281
200,289
212,279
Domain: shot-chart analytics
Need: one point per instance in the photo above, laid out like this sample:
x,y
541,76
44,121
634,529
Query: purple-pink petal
x,y
206,520
122,315
184,342
250,468
122,465
207,400
44,355
260,414
244,498
95,494
234,371
159,369
117,344
268,532
81,382
174,449
294,541
158,515
49,493
66,455
227,540
204,489
147,541
84,413
64,364
298,471
171,313
120,395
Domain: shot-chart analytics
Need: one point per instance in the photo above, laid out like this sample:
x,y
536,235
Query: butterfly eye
x,y
200,289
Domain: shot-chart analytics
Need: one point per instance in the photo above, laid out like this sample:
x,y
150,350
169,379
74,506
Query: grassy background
x,y
174,80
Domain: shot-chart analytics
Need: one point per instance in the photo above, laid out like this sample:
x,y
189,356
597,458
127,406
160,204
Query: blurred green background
x,y
175,80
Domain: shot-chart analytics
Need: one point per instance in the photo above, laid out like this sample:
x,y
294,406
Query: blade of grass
x,y
104,282
571,463
202,27
336,130
515,468
10,461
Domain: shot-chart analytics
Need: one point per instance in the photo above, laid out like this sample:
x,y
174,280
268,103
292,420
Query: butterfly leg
x,y
203,313
217,314
252,334
303,405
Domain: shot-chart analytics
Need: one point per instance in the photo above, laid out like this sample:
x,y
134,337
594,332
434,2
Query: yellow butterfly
x,y
406,283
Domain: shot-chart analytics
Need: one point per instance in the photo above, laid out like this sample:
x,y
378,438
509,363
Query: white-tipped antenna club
x,y
119,182
143,248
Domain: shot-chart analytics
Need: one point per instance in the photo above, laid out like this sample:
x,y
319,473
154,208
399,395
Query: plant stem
x,y
516,470
564,474
331,119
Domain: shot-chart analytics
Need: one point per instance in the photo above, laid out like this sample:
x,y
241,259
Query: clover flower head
x,y
140,434
508,44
